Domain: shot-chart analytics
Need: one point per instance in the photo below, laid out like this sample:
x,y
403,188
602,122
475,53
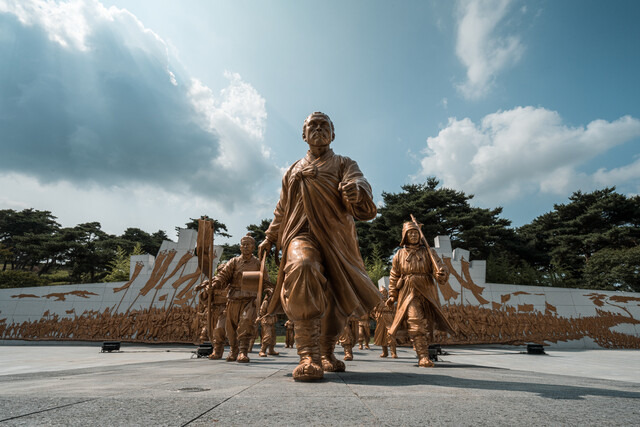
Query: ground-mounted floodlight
x,y
204,350
434,351
535,349
109,346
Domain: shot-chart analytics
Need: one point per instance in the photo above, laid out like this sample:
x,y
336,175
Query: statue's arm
x,y
442,272
274,228
356,192
225,275
394,277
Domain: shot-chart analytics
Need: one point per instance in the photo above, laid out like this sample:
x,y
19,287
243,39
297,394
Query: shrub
x,y
20,279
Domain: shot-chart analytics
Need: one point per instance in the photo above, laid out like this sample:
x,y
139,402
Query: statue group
x,y
322,280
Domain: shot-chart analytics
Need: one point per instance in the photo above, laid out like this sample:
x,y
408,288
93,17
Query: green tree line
x,y
592,241
36,250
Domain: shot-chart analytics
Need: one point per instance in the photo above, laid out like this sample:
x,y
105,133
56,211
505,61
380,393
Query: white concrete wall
x,y
568,303
67,301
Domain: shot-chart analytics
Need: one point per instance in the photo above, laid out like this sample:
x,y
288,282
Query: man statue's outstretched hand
x,y
350,192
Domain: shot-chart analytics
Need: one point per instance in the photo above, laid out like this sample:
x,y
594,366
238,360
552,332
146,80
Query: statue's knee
x,y
305,266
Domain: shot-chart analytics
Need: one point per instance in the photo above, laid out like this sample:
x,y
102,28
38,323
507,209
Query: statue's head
x,y
410,234
247,245
318,129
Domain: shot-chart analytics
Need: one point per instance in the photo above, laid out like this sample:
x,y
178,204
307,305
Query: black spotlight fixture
x,y
434,351
109,346
204,349
535,349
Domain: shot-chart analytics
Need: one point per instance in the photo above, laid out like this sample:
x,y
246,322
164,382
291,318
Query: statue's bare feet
x,y
262,354
243,358
394,355
308,371
331,364
425,362
384,355
273,353
232,356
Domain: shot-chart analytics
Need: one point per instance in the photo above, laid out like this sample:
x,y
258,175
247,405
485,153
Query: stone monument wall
x,y
158,304
491,313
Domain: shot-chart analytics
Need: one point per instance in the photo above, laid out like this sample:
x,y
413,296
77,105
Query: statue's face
x,y
317,131
246,247
413,236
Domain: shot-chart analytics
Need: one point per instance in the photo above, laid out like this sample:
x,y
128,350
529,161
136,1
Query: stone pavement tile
x,y
471,396
373,391
16,359
124,411
12,407
291,410
621,365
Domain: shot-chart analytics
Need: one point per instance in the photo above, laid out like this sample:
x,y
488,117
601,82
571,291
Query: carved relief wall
x,y
158,304
490,313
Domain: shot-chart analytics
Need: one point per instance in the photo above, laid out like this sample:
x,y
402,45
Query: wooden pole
x,y
433,261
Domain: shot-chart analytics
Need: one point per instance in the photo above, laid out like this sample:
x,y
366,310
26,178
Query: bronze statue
x,y
268,326
364,332
322,278
218,318
383,315
289,337
349,337
241,305
412,285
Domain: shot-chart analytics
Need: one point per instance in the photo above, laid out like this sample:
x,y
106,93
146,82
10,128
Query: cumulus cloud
x,y
481,48
92,97
515,153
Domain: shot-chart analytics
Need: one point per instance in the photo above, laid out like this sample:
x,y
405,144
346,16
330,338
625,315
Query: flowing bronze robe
x,y
412,276
311,202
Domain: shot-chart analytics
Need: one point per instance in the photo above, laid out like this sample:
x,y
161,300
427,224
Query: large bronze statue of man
x,y
322,278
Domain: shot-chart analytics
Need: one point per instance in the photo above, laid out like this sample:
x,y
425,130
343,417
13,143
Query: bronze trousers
x,y
240,327
305,295
268,338
218,335
417,316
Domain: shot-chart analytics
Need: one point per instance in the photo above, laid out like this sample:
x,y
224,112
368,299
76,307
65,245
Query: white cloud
x,y
480,47
608,178
93,99
117,208
515,153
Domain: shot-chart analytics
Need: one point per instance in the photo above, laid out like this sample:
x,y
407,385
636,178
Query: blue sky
x,y
145,113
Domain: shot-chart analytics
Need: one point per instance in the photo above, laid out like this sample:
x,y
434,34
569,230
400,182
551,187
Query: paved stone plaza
x,y
164,385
